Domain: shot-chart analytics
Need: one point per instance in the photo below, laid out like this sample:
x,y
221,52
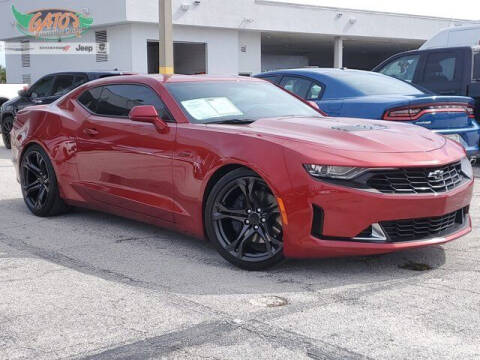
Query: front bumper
x,y
347,212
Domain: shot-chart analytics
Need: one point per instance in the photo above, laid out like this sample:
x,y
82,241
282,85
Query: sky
x,y
458,9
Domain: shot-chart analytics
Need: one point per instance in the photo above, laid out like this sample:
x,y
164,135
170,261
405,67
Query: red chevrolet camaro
x,y
239,161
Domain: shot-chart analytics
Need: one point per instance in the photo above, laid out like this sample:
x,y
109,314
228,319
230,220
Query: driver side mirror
x,y
148,114
23,93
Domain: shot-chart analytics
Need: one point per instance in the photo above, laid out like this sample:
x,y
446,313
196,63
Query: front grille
x,y
417,180
418,229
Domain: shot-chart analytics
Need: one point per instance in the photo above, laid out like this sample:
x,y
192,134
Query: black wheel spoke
x,y
241,247
40,197
225,213
34,186
246,186
245,233
33,168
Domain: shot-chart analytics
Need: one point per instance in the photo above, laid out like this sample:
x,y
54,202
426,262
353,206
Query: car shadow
x,y
137,254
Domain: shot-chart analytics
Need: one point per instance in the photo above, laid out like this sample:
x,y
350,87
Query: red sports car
x,y
241,162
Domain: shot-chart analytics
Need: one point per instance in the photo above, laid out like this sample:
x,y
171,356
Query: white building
x,y
222,36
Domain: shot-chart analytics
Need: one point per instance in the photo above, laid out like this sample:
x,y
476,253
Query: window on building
x,y
90,98
101,41
298,86
402,68
440,67
27,79
25,53
118,100
42,88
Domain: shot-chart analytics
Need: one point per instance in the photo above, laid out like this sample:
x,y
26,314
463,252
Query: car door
x,y
442,72
125,164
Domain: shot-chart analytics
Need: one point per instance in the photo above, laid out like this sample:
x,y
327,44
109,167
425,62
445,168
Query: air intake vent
x,y
26,53
101,40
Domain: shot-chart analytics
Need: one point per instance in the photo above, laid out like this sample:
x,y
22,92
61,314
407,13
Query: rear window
x,y
89,99
374,84
476,66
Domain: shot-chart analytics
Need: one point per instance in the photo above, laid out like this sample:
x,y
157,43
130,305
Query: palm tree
x,y
3,75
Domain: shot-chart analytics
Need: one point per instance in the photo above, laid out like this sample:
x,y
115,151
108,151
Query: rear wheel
x,y
7,124
39,183
243,220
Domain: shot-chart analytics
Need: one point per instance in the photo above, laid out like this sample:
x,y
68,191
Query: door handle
x,y
90,131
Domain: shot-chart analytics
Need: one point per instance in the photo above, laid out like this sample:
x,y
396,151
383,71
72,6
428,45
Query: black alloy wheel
x,y
7,124
244,221
39,183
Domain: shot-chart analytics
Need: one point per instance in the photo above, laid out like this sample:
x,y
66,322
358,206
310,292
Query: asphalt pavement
x,y
89,285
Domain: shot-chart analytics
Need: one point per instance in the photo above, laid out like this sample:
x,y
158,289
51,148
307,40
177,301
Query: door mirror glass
x,y
23,93
148,113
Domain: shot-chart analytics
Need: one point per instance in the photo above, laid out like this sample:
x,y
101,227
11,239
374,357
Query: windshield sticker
x,y
214,107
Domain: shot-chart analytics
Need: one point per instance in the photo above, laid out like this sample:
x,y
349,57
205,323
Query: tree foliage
x,y
3,75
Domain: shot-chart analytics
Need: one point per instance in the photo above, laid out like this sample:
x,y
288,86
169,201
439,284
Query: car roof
x,y
320,74
164,79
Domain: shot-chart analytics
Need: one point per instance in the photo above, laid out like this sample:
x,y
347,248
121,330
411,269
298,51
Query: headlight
x,y
334,172
467,169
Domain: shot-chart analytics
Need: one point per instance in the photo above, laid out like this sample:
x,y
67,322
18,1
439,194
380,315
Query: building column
x,y
166,37
338,52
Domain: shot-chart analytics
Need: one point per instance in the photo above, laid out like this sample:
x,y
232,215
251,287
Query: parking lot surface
x,y
88,285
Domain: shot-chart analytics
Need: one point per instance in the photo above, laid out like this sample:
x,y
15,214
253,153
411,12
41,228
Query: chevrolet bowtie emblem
x,y
436,175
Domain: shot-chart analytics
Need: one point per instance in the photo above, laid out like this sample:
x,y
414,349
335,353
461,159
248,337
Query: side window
x,y
42,88
476,67
403,68
118,100
90,98
62,84
275,79
440,67
315,92
296,85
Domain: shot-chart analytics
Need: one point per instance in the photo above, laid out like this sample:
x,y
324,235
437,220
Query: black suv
x,y
443,71
45,91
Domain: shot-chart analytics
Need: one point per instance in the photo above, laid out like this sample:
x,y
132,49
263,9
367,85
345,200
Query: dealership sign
x,y
52,24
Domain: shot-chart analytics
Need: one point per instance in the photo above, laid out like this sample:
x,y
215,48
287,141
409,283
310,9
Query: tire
x,y
243,221
39,184
7,123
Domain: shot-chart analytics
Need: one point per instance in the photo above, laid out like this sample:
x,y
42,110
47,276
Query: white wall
x,y
275,62
249,61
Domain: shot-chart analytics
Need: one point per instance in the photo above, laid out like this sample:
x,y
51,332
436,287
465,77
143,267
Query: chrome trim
x,y
376,235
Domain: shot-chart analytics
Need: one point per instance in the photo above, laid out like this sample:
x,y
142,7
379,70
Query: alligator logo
x,y
52,24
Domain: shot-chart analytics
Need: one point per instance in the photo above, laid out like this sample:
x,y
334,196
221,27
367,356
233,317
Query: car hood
x,y
356,135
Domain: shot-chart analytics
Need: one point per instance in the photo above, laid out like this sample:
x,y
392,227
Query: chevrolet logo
x,y
436,175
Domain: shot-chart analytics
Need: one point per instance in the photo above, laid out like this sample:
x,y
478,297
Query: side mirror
x,y
23,93
148,113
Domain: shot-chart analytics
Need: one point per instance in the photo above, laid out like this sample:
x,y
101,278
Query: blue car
x,y
364,94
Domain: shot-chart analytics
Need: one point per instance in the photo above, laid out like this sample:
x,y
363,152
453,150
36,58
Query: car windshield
x,y
374,84
236,102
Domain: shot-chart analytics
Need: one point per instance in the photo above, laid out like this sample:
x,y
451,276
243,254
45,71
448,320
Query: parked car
x,y
444,71
46,90
259,172
364,94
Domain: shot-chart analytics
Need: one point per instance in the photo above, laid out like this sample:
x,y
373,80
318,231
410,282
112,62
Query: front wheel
x,y
243,220
7,124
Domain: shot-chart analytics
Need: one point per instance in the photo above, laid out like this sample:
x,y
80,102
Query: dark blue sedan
x,y
364,94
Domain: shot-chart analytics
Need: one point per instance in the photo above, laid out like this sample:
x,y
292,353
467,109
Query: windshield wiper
x,y
232,121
